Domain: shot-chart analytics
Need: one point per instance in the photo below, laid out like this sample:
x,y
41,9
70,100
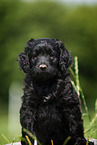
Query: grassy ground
x,y
5,135
90,126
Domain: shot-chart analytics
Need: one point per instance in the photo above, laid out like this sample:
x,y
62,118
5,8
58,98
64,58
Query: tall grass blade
x,y
66,141
84,102
77,84
28,140
72,72
52,143
96,106
32,136
87,142
77,76
5,138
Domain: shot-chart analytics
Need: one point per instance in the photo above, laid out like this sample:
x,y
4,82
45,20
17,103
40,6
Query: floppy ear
x,y
65,60
23,60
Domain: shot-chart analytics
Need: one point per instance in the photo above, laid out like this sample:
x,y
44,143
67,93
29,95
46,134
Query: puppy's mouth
x,y
43,67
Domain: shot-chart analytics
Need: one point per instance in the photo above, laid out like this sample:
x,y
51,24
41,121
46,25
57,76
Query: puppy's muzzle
x,y
43,67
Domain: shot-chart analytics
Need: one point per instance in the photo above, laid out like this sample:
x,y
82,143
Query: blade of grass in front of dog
x,y
72,72
5,138
23,139
28,140
52,143
31,135
66,141
87,142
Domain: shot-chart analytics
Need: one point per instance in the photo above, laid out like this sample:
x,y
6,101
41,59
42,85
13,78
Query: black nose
x,y
42,66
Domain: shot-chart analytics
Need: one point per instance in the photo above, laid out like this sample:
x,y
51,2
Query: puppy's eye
x,y
34,57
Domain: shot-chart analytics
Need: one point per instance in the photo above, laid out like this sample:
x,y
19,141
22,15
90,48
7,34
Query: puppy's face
x,y
44,61
43,58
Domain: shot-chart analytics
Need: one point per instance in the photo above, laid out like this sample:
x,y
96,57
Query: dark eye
x,y
34,56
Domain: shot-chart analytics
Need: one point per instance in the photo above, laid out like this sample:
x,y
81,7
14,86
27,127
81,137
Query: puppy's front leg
x,y
26,119
76,126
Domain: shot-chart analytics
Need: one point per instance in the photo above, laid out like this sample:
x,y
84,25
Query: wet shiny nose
x,y
43,67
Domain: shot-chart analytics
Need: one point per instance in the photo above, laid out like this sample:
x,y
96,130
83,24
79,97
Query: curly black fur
x,y
50,108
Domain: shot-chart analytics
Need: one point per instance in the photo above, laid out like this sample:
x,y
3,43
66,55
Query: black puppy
x,y
50,108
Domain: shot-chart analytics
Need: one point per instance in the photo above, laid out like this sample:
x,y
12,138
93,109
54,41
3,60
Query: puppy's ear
x,y
65,60
29,43
23,60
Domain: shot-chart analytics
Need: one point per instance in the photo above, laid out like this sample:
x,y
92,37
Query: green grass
x,y
90,119
5,136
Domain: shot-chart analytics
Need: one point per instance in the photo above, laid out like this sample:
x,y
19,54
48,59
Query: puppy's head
x,y
44,58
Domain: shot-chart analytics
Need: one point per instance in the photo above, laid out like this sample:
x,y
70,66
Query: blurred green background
x,y
75,25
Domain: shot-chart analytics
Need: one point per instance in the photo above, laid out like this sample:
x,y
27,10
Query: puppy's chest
x,y
48,114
